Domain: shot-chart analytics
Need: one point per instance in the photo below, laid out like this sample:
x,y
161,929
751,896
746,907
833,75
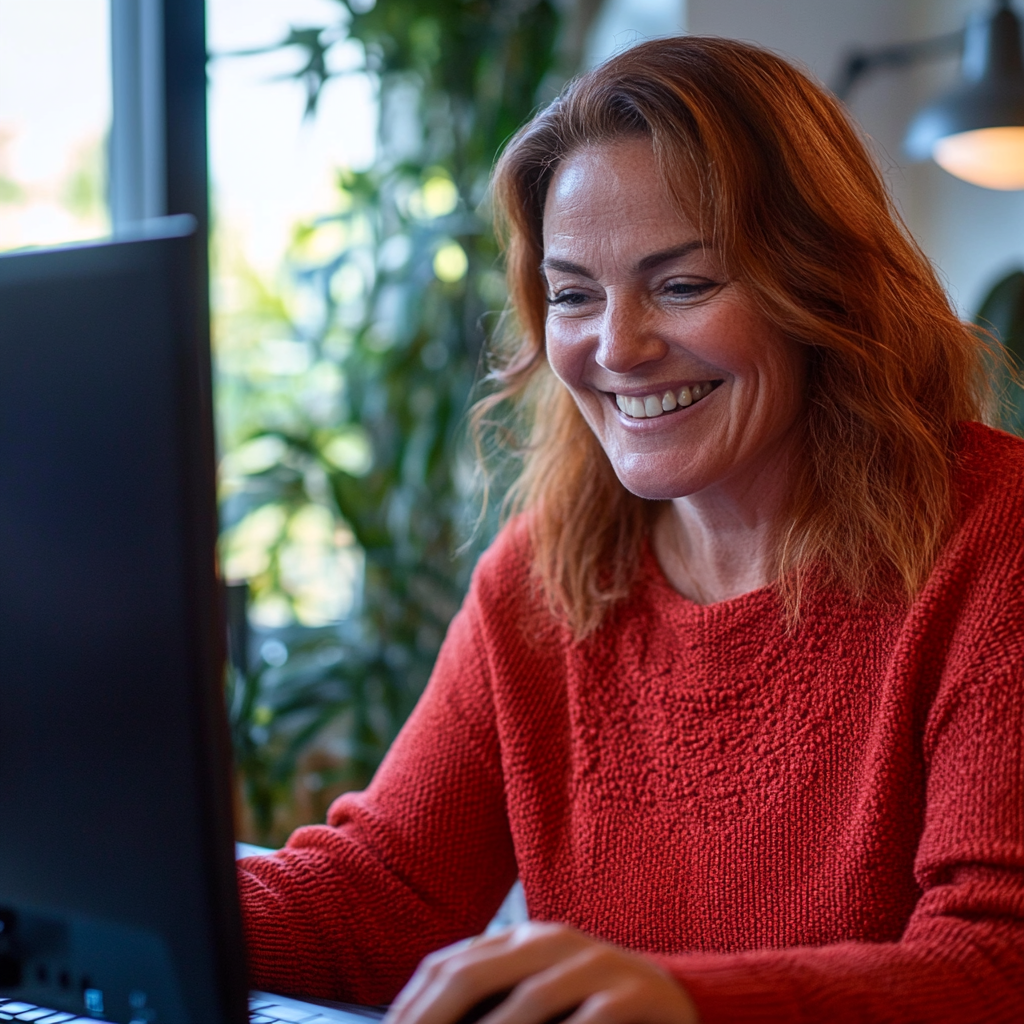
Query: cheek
x,y
767,360
566,358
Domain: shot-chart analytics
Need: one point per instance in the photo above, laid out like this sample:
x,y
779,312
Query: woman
x,y
739,694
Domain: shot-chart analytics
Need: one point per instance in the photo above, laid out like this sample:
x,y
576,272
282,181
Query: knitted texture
x,y
824,823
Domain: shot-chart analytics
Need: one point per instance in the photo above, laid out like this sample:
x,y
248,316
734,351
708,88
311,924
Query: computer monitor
x,y
117,888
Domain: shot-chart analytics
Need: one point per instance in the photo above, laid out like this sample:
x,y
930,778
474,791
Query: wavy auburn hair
x,y
773,172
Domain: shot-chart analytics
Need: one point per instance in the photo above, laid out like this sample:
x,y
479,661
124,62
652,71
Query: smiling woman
x,y
732,147
692,393
738,692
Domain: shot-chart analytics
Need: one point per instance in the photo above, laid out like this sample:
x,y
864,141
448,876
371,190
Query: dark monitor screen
x,y
117,895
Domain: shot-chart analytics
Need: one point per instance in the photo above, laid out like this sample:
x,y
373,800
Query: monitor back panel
x,y
116,878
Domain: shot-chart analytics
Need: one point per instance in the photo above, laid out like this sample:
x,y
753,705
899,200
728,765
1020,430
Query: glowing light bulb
x,y
989,157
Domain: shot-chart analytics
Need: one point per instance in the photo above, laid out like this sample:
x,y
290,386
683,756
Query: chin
x,y
654,486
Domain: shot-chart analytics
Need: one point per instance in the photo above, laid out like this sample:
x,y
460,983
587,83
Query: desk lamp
x,y
975,132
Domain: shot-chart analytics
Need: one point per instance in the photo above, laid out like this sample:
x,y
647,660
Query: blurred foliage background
x,y
343,393
1002,314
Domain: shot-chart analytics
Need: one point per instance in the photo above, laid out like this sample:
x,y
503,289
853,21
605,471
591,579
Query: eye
x,y
567,298
689,289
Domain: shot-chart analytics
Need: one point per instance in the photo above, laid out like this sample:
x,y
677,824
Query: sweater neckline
x,y
652,571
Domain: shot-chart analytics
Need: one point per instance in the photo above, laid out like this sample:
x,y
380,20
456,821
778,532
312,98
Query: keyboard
x,y
267,1008
14,1009
264,1008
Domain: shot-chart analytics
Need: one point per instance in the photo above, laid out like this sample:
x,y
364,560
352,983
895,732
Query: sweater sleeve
x,y
420,859
961,956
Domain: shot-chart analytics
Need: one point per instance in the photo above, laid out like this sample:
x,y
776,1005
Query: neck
x,y
722,541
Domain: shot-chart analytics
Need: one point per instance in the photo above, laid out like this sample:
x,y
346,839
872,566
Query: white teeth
x,y
651,406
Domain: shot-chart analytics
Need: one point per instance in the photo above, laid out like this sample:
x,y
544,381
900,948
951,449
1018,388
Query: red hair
x,y
771,168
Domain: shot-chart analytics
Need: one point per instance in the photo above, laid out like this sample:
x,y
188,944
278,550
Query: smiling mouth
x,y
660,403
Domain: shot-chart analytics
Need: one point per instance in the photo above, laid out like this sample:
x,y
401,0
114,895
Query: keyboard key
x,y
288,1013
258,1004
16,1008
34,1014
258,1018
57,1018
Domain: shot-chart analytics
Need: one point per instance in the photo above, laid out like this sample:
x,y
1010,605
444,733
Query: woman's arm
x,y
419,860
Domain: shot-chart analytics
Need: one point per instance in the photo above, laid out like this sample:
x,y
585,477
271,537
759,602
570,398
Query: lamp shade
x,y
977,131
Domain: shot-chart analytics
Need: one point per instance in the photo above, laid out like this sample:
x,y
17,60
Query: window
x,y
55,112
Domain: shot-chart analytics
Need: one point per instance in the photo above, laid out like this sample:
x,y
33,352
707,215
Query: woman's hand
x,y
551,969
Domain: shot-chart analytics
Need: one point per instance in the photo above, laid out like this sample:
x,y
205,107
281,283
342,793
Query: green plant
x,y
397,309
277,711
1002,313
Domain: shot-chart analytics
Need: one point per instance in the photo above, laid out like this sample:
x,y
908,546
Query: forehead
x,y
613,193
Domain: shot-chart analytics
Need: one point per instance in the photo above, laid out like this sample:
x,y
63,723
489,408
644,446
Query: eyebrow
x,y
566,266
655,259
676,252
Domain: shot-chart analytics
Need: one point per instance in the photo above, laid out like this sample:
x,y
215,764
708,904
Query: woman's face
x,y
684,384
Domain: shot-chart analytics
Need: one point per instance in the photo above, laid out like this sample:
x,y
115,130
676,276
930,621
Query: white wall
x,y
622,23
973,235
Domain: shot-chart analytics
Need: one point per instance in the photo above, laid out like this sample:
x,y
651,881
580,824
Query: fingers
x,y
452,980
603,985
552,970
637,1005
559,988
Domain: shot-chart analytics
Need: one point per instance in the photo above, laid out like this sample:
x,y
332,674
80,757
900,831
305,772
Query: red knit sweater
x,y
819,825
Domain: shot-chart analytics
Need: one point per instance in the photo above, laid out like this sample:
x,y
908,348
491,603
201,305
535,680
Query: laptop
x,y
118,898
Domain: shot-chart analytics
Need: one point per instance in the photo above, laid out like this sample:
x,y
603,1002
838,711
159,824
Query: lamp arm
x,y
861,62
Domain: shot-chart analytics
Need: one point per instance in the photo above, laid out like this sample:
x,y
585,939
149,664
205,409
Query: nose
x,y
628,337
